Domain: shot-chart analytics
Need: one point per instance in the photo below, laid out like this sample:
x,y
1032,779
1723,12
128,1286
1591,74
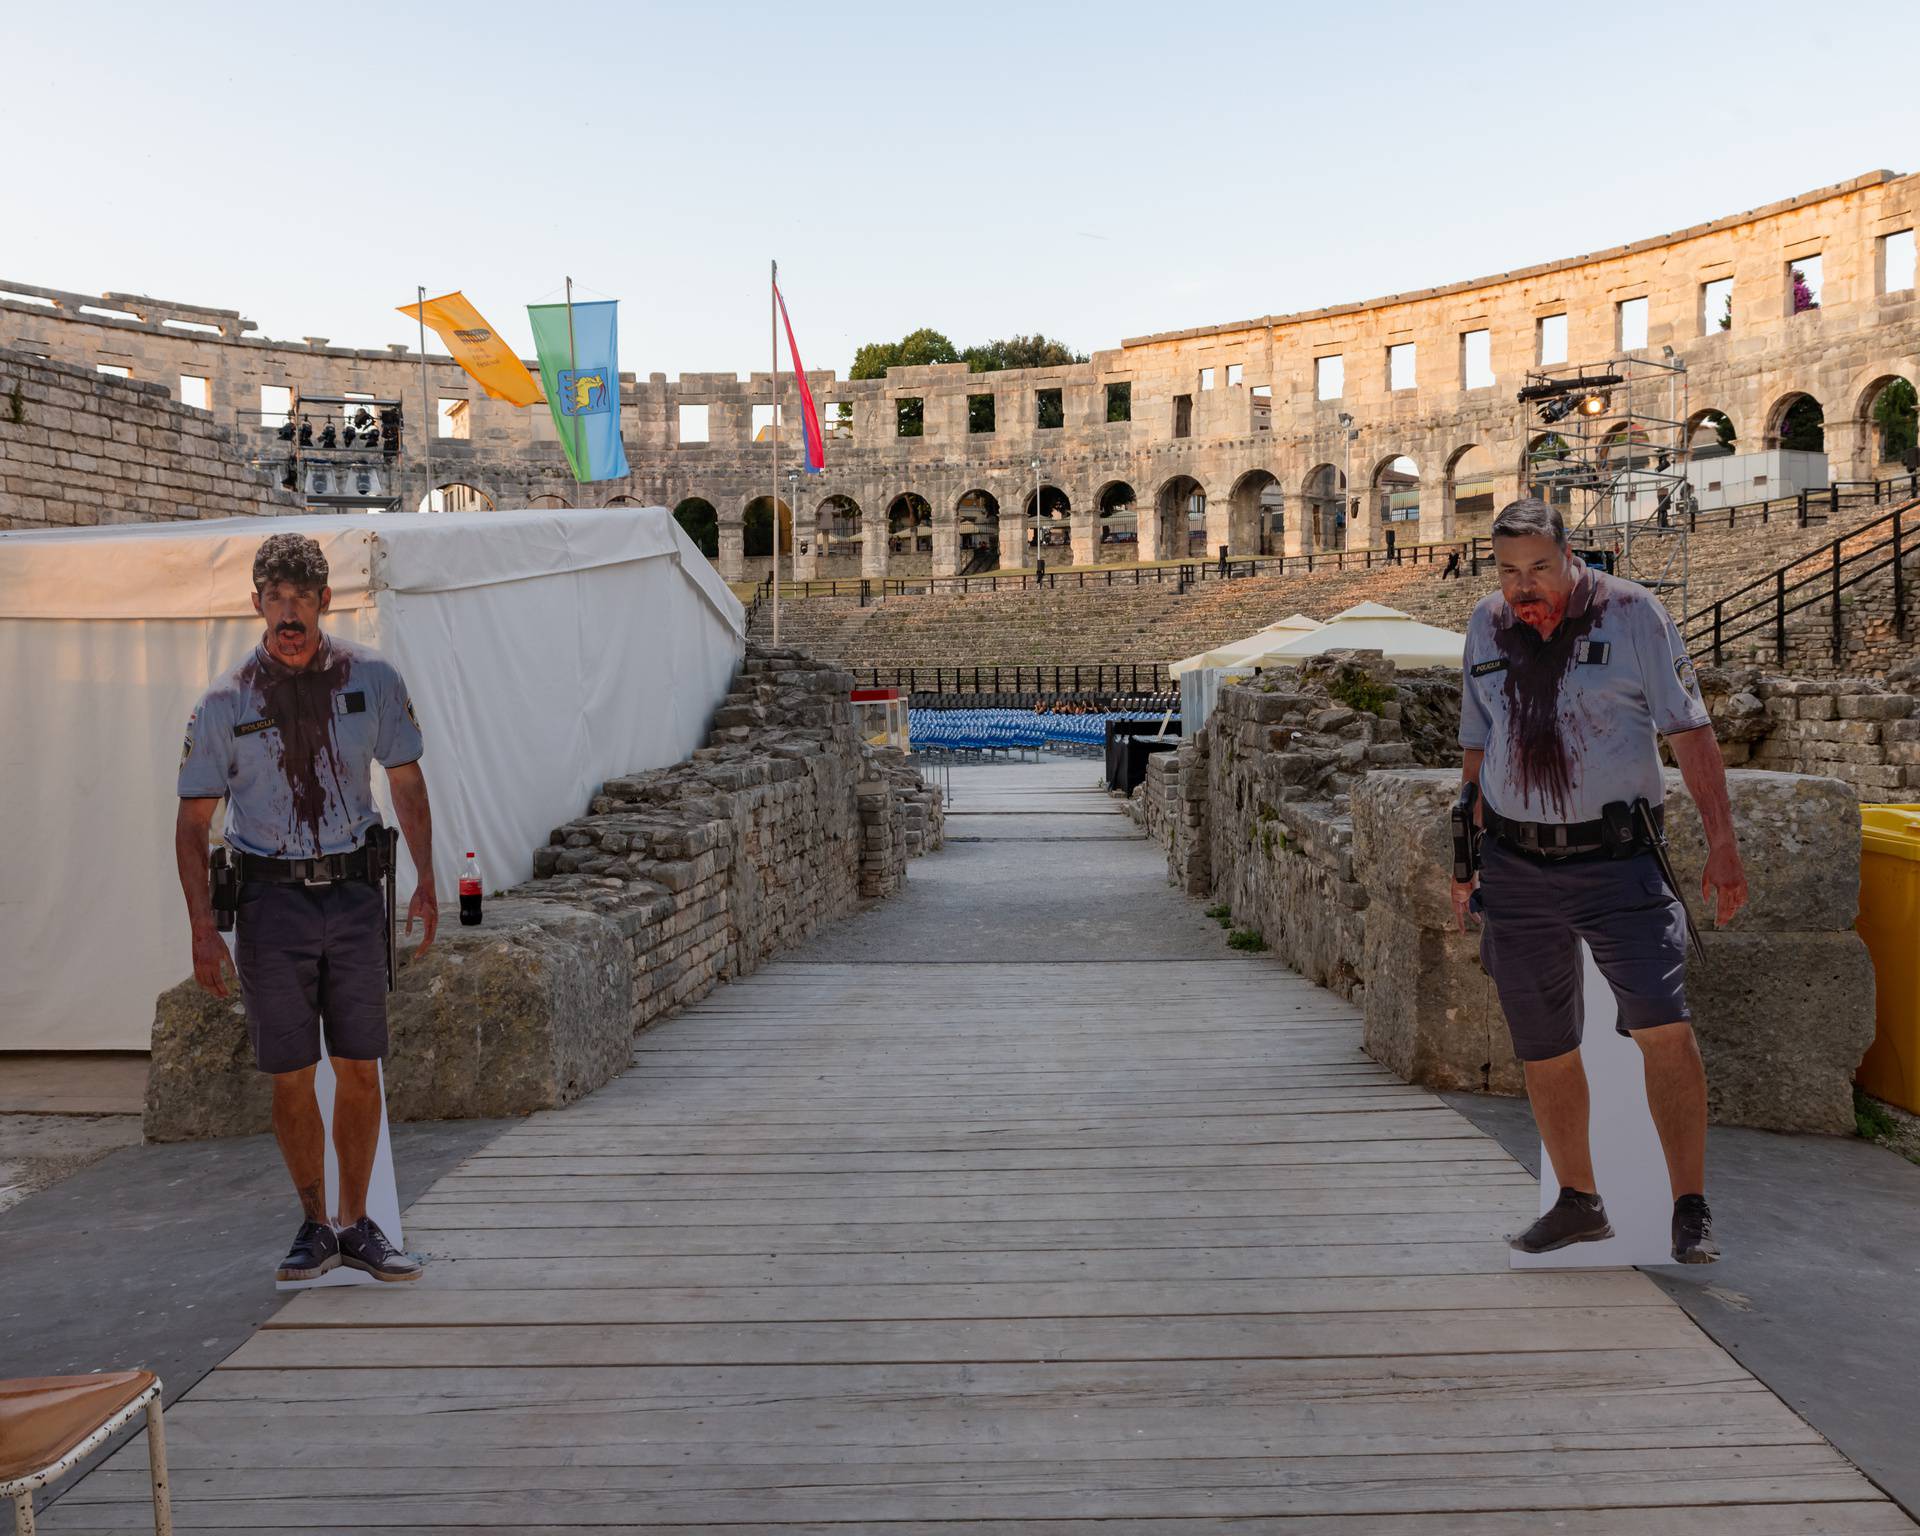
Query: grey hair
x,y
1529,516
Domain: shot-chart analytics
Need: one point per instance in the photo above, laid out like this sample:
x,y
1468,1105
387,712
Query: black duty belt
x,y
328,869
1570,839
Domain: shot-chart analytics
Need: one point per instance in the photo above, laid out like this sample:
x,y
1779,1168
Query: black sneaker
x,y
1693,1231
1575,1218
363,1246
315,1251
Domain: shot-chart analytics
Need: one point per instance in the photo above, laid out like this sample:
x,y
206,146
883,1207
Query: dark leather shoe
x,y
315,1251
1693,1231
363,1246
1575,1218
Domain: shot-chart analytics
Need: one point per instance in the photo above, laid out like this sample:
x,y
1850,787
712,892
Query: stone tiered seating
x,y
1066,625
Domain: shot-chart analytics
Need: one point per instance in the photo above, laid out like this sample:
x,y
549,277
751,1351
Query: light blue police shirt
x,y
1568,724
292,751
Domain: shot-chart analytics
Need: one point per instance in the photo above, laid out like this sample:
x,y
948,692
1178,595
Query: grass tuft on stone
x,y
1247,940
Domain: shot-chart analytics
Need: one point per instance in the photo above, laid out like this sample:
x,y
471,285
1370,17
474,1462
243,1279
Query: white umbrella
x,y
1402,639
1235,652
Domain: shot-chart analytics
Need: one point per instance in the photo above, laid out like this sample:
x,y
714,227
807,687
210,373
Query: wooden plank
x,y
1131,1338
359,1307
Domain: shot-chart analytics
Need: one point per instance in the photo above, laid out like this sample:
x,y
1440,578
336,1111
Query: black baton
x,y
1644,811
389,842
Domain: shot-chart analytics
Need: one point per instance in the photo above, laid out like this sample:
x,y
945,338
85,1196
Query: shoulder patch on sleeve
x,y
411,715
186,749
1688,678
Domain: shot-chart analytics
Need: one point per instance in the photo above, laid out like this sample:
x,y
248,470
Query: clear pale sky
x,y
1093,171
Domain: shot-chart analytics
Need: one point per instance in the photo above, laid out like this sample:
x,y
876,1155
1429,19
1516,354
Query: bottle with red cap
x,y
470,893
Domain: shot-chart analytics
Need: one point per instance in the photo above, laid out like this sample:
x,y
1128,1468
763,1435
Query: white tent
x,y
546,651
1403,639
1235,652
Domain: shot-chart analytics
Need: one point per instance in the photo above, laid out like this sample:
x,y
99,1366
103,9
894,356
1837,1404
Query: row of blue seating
x,y
986,731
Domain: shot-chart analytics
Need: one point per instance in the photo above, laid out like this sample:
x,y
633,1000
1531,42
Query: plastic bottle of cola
x,y
470,893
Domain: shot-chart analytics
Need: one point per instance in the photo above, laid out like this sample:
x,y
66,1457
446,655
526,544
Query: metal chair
x,y
50,1424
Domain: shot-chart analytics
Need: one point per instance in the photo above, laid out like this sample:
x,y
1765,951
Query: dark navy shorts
x,y
313,959
1534,913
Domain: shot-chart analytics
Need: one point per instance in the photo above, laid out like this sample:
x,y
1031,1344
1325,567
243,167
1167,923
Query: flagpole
x,y
773,312
426,404
573,366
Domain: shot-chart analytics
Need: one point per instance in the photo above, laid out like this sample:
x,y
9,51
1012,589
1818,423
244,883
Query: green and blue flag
x,y
580,366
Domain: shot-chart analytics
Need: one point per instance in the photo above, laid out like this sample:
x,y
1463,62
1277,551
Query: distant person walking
x,y
1393,553
1453,565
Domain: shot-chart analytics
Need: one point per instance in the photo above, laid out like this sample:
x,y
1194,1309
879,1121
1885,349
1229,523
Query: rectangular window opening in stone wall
x,y
1206,379
1120,402
276,400
1262,404
1804,284
1476,359
980,413
1049,409
194,391
113,370
836,418
1896,262
1183,415
1236,374
1551,334
452,419
1401,372
1630,325
910,416
694,424
762,420
1716,306
1329,377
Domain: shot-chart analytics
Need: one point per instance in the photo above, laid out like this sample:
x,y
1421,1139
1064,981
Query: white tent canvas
x,y
1235,652
546,651
1404,640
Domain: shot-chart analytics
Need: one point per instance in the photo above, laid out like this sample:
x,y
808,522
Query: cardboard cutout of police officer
x,y
288,740
1571,675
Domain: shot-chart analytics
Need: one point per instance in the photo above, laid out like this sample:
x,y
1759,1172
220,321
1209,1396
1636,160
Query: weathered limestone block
x,y
1783,1020
529,1011
1432,1016
1799,840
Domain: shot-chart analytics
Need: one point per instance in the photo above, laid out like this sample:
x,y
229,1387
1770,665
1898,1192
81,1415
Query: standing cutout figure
x,y
1569,675
288,740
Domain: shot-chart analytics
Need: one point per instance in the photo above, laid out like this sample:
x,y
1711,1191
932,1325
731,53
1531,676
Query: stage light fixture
x,y
306,433
1556,410
1593,404
328,437
362,417
346,437
286,431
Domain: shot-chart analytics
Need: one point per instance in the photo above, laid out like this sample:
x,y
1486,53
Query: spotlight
x,y
328,437
346,437
362,417
286,431
1557,410
1593,404
306,433
370,438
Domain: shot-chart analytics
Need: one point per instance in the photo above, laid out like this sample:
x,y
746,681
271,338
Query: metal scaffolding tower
x,y
1608,443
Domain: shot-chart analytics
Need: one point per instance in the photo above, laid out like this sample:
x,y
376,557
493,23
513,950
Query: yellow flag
x,y
476,348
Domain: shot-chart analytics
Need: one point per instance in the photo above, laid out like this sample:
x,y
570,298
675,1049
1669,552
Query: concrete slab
x,y
1816,1292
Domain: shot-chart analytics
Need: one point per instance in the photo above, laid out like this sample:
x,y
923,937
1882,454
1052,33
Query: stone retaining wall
x,y
1864,732
79,448
1323,825
673,881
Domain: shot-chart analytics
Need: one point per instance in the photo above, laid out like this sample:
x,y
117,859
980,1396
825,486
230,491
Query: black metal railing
x,y
1109,677
1820,576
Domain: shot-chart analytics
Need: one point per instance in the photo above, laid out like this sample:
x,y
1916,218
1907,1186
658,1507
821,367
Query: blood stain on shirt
x,y
300,703
1541,753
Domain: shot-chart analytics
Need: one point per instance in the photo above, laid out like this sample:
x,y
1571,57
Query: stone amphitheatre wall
x,y
1231,412
80,448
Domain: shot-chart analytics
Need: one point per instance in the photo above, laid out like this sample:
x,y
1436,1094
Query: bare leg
x,y
1557,1088
1677,1095
302,1135
356,1131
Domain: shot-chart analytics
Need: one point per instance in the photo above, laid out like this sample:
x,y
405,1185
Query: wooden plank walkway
x,y
1036,1248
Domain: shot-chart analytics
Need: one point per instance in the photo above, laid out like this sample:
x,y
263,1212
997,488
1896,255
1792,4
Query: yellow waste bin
x,y
1890,923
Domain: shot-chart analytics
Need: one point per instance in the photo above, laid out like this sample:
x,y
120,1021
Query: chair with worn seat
x,y
50,1424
